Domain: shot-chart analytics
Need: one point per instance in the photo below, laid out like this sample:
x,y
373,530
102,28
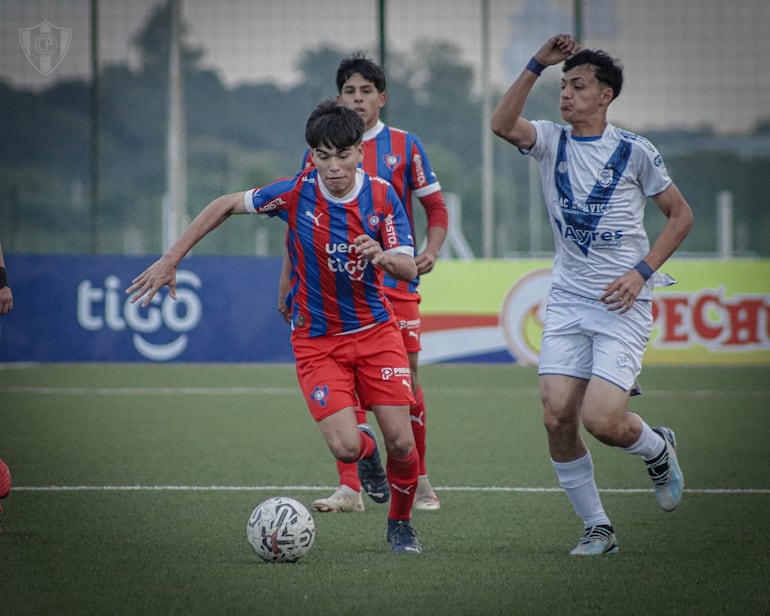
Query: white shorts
x,y
582,338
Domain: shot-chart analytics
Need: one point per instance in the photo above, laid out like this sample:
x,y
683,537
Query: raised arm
x,y
507,122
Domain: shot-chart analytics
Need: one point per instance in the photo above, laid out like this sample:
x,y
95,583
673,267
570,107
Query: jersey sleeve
x,y
395,231
653,176
272,199
435,210
545,132
421,178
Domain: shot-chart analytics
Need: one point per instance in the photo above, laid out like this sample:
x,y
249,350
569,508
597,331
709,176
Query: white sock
x,y
649,445
577,479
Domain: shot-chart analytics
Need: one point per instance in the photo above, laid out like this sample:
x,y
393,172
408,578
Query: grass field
x,y
133,484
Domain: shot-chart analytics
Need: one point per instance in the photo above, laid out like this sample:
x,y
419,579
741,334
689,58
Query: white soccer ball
x,y
281,530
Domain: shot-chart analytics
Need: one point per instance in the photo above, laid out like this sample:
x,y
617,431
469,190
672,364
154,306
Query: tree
x,y
153,42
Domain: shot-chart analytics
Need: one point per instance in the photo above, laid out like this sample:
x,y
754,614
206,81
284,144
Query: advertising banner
x,y
717,313
74,308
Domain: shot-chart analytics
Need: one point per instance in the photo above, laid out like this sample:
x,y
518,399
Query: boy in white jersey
x,y
596,180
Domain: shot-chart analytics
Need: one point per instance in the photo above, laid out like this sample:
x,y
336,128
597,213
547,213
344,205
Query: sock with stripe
x,y
402,477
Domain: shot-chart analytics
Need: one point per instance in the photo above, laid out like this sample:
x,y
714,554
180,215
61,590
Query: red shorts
x,y
335,372
407,313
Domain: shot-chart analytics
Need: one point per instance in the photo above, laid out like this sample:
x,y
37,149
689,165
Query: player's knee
x,y
559,419
604,428
346,456
597,427
345,452
401,446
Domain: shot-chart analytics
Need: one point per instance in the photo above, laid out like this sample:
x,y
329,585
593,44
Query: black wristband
x,y
533,66
3,278
644,269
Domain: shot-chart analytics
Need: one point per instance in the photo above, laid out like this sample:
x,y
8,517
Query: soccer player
x,y
6,297
345,229
6,304
596,179
5,481
399,157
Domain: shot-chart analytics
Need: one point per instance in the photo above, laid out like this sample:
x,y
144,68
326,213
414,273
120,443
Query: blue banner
x,y
74,308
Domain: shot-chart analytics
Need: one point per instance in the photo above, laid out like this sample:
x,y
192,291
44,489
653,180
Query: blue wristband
x,y
534,66
644,269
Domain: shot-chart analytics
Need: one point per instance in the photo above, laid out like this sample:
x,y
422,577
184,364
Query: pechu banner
x,y
717,313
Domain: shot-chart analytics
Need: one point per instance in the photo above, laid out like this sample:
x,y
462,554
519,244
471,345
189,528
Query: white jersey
x,y
595,189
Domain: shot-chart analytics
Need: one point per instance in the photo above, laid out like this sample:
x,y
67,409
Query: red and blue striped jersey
x,y
398,157
334,290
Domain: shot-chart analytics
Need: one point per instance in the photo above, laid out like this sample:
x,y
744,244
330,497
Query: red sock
x,y
402,476
367,445
360,415
417,417
348,472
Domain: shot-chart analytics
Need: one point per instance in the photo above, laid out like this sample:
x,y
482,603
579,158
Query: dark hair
x,y
607,69
332,125
368,69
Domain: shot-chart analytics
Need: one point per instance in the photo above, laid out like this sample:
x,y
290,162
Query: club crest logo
x,y
320,395
604,177
391,161
45,45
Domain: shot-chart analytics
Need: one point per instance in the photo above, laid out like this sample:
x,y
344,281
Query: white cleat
x,y
666,473
425,498
344,500
596,541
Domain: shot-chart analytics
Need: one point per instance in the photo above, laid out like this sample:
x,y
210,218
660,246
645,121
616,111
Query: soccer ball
x,y
281,530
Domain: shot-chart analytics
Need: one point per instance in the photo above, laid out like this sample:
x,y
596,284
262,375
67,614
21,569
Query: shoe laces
x,y
402,532
658,468
601,532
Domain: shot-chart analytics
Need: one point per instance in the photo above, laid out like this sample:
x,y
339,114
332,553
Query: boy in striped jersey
x,y
399,157
345,230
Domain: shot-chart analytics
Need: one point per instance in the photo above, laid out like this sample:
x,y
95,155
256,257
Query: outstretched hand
x,y
6,300
150,281
557,49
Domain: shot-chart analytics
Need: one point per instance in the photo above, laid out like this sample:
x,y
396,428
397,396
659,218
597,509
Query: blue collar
x,y
595,138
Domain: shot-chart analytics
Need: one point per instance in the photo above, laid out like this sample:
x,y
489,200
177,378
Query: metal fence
x,y
697,84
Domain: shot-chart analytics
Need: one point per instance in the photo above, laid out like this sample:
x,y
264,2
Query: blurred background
x,y
120,120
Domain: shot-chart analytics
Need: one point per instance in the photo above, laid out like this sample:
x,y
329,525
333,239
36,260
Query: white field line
x,y
294,391
277,488
150,391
